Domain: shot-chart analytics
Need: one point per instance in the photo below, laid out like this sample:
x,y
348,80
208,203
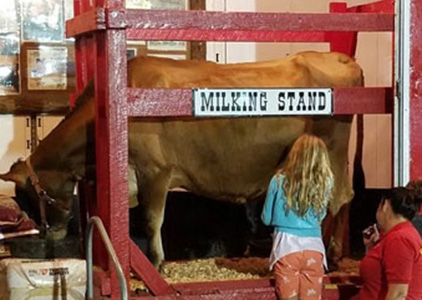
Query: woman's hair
x,y
308,176
403,202
415,188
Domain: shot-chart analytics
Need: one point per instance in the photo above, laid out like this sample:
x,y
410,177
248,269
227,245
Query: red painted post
x,y
415,105
344,42
112,139
111,142
384,6
84,51
79,65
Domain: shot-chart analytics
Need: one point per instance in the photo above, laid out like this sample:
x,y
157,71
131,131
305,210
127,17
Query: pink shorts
x,y
299,275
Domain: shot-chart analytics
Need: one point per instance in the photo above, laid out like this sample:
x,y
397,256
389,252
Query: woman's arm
x,y
399,263
397,291
267,211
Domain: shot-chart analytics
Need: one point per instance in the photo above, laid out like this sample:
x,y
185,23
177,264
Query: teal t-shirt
x,y
274,213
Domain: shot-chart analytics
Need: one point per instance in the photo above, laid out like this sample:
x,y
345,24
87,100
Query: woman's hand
x,y
371,236
397,291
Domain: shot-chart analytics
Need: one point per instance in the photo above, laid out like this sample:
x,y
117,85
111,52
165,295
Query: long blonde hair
x,y
308,176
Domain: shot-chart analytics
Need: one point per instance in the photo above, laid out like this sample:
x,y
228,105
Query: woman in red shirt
x,y
392,268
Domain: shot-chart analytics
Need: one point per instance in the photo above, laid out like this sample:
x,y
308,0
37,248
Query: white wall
x,y
13,145
15,139
231,52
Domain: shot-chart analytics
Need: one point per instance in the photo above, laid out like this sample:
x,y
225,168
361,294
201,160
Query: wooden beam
x,y
89,21
415,104
144,269
178,102
223,35
193,25
111,143
40,102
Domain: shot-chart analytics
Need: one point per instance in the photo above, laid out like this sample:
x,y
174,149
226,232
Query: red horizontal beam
x,y
363,101
211,25
232,21
178,102
160,102
94,19
221,286
268,294
334,292
222,35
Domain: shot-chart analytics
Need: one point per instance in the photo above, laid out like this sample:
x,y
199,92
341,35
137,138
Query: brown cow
x,y
227,159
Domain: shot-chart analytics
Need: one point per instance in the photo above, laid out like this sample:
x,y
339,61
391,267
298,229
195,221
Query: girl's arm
x,y
322,216
267,211
397,291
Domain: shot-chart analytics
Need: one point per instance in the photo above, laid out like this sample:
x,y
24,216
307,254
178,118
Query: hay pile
x,y
224,269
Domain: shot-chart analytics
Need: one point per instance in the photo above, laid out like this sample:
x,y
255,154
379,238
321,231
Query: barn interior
x,y
38,88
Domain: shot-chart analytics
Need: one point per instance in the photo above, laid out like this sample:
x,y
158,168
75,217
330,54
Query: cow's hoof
x,y
160,268
333,265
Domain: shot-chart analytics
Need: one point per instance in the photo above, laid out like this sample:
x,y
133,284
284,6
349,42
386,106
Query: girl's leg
x,y
311,275
286,275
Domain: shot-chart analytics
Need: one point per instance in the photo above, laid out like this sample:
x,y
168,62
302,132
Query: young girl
x,y
296,203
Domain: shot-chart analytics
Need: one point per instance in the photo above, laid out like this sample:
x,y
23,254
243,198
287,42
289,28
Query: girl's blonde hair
x,y
308,176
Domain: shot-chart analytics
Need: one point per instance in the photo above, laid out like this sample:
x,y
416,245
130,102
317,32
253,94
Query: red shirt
x,y
396,259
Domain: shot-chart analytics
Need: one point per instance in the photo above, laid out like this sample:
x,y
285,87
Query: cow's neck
x,y
65,148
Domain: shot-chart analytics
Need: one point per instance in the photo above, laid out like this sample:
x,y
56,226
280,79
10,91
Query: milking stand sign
x,y
262,102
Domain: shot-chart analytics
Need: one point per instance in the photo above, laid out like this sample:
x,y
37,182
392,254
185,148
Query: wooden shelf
x,y
44,102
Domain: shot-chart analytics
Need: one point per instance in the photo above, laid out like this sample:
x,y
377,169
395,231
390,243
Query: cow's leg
x,y
154,195
339,243
133,187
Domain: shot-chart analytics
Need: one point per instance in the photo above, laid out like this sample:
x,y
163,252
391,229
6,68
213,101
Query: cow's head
x,y
57,185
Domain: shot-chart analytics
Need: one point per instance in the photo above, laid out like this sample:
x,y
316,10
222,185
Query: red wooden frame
x,y
415,106
101,30
178,102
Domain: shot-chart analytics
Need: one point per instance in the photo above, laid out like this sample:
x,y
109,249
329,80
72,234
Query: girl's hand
x,y
371,236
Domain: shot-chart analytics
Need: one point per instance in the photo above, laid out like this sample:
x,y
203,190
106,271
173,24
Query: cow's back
x,y
306,69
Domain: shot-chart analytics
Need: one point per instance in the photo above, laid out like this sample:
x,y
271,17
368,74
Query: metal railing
x,y
111,253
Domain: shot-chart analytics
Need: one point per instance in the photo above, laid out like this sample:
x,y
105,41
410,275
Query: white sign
x,y
262,102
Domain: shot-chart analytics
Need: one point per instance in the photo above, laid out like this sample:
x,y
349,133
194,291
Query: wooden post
x,y
344,42
415,89
112,139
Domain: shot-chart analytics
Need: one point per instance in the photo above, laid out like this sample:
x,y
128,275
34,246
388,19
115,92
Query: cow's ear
x,y
16,177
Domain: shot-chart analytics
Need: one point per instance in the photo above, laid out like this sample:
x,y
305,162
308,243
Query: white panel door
x,y
216,51
14,144
45,124
231,52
